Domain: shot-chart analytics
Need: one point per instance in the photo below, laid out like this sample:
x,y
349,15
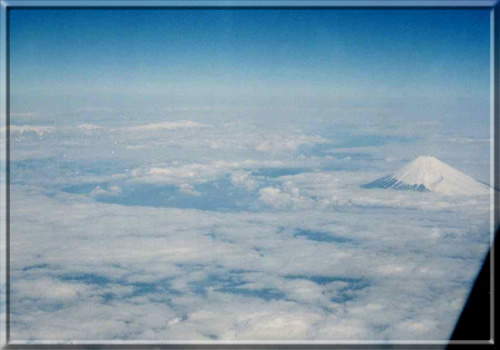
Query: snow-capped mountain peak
x,y
427,173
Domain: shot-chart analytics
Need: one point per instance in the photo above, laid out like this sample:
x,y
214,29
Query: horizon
x,y
196,58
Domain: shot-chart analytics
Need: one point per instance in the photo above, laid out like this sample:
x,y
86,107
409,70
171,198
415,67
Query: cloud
x,y
136,147
308,255
111,191
465,140
287,197
244,179
26,129
180,174
236,275
50,289
189,190
183,124
24,114
287,144
89,128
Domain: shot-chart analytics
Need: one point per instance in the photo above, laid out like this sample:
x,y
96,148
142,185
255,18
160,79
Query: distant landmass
x,y
428,174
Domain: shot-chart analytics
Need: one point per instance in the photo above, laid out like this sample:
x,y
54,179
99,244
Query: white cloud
x,y
279,144
186,258
50,289
111,191
37,129
183,124
244,179
314,257
88,128
189,189
179,174
287,197
136,147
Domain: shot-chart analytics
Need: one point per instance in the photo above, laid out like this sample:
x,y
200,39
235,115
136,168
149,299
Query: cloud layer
x,y
205,230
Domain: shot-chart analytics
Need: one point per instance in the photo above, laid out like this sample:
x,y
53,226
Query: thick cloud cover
x,y
201,229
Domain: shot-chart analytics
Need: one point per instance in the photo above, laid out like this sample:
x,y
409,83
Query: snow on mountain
x,y
430,174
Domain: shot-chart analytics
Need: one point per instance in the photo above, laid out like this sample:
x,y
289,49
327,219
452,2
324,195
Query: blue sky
x,y
75,58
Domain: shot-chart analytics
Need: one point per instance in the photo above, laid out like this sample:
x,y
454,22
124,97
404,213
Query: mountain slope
x,y
428,174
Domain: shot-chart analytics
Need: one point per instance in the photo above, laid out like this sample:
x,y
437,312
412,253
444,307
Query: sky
x,y
198,174
157,58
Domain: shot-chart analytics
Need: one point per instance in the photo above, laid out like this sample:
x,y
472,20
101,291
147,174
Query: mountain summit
x,y
428,174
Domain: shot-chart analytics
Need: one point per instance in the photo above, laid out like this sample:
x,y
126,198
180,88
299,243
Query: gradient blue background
x,y
433,59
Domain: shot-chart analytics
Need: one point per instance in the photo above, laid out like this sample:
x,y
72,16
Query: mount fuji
x,y
428,174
